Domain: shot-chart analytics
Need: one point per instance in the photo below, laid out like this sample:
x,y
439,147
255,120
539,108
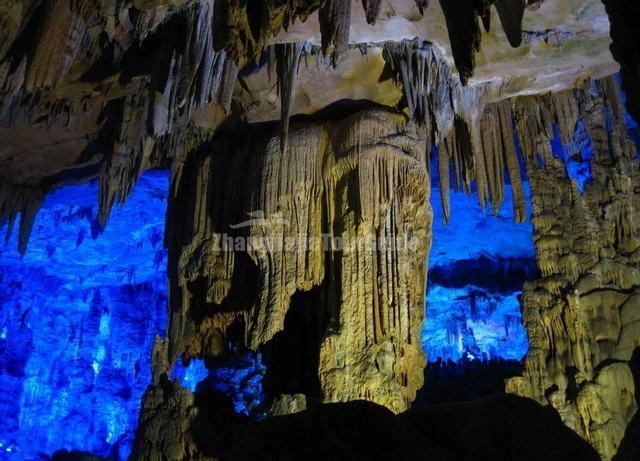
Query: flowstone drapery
x,y
328,237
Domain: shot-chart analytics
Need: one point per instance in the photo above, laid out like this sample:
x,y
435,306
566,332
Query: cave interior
x,y
319,229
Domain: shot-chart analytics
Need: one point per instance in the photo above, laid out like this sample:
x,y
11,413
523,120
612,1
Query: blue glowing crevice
x,y
191,374
477,267
575,155
78,317
239,378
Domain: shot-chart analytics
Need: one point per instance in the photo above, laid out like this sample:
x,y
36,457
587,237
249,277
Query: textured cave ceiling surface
x,y
70,88
564,43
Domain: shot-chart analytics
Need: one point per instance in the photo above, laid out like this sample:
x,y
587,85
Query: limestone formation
x,y
582,316
312,217
356,430
307,239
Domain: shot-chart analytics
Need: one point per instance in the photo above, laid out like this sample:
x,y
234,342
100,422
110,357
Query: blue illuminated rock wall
x,y
78,316
477,267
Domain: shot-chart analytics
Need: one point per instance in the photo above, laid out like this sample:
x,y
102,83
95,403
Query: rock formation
x,y
313,229
307,239
358,430
582,316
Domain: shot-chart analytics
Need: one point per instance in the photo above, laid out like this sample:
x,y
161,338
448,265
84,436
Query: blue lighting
x,y
477,267
78,317
238,377
191,374
576,155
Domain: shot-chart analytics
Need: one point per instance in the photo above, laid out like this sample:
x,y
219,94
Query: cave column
x,y
337,230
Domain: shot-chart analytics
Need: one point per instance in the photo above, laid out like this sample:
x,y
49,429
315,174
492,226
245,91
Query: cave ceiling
x,y
66,65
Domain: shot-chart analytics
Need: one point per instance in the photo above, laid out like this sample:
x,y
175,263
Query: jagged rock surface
x,y
582,316
351,184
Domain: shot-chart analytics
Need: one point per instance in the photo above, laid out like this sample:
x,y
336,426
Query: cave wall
x,y
582,316
338,222
78,316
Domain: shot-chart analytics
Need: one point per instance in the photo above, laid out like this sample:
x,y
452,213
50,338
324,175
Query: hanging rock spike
x,y
511,13
422,5
372,10
287,56
445,186
464,34
335,22
511,161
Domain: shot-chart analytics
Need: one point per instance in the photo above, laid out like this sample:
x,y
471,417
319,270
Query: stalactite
x,y
445,187
245,28
495,150
564,108
464,34
372,10
61,36
422,5
483,7
23,200
459,152
511,13
335,24
480,168
426,80
124,164
287,57
511,160
493,155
